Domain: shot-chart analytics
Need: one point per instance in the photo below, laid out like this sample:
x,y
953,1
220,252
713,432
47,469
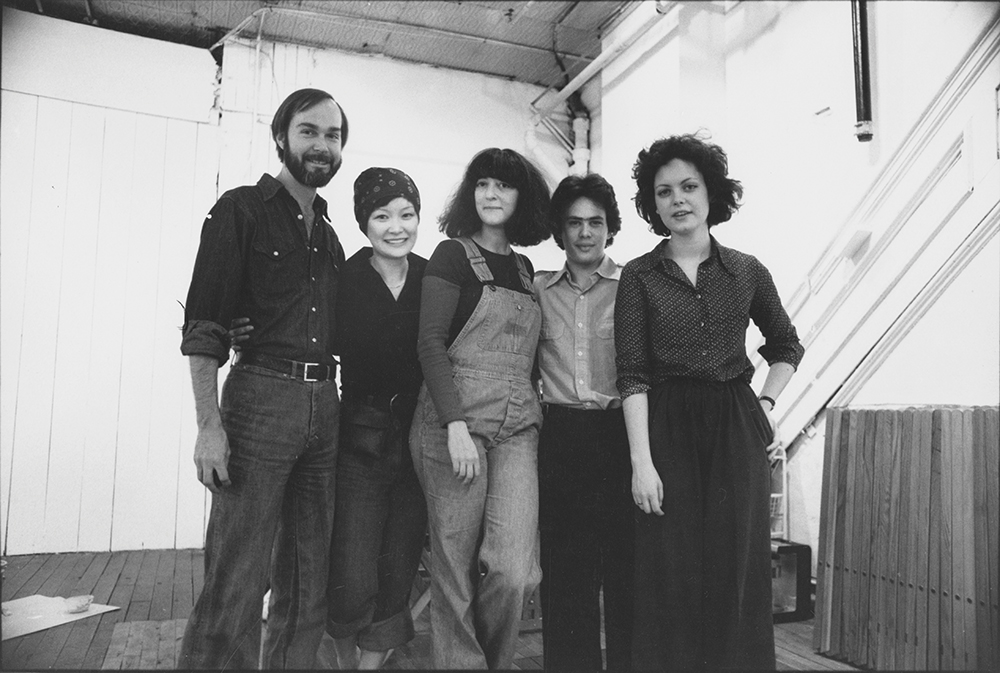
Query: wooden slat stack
x,y
907,574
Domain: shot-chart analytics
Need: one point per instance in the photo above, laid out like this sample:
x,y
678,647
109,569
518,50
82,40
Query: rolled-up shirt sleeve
x,y
214,293
632,347
781,341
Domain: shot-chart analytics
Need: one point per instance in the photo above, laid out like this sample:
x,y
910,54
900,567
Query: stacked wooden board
x,y
907,560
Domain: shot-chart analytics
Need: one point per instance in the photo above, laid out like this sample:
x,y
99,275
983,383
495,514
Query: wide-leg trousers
x,y
703,569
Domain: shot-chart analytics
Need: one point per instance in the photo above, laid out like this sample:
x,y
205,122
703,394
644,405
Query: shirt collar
x,y
608,269
726,256
270,187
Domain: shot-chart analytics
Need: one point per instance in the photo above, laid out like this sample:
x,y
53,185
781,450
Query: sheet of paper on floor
x,y
36,613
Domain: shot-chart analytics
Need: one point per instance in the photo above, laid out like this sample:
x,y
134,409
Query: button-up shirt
x,y
576,349
665,326
255,260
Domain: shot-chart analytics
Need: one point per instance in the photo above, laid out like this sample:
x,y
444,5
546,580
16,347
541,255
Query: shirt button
x,y
313,309
698,296
299,216
703,352
579,324
580,382
314,339
315,249
702,323
275,253
313,278
209,216
579,353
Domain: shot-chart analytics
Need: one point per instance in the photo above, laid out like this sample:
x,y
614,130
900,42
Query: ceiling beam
x,y
393,25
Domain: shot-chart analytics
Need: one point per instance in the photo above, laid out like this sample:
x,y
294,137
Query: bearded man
x,y
268,452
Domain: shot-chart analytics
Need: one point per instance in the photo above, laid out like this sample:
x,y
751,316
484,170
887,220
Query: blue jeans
x,y
283,441
378,535
482,536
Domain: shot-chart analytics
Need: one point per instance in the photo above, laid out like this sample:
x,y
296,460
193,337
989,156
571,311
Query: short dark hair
x,y
591,186
297,101
724,193
528,225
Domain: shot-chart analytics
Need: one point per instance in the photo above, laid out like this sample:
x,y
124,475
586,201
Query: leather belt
x,y
303,371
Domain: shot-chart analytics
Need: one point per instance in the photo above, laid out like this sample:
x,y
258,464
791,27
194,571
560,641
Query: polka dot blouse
x,y
665,326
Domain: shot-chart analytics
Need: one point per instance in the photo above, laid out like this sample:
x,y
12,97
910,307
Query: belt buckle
x,y
305,374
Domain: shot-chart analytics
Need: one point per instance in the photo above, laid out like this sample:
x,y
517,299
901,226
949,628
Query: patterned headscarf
x,y
376,187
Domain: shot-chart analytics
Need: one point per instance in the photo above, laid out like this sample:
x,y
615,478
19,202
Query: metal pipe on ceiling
x,y
862,72
394,25
90,13
605,57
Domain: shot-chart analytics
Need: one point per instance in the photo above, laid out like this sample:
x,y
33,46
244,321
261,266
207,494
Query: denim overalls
x,y
483,534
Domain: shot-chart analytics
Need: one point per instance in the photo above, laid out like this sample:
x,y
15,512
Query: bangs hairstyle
x,y
298,101
529,223
724,193
591,186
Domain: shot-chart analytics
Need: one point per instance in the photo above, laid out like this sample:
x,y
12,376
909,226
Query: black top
x,y
665,326
376,334
449,262
255,261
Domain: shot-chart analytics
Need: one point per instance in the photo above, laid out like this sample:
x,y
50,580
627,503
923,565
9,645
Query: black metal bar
x,y
862,72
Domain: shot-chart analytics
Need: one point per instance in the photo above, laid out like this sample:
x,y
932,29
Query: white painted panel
x,y
106,368
449,116
192,498
17,129
169,290
956,340
135,406
73,61
30,463
74,334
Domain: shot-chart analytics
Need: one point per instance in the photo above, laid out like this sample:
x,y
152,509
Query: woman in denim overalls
x,y
475,430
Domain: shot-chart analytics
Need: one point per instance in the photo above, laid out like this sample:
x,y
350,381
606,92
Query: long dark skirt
x,y
703,569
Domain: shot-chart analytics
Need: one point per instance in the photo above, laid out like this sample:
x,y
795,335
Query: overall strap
x,y
478,262
522,271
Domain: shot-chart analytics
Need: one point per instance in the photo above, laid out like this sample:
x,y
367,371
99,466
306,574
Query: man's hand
x,y
211,458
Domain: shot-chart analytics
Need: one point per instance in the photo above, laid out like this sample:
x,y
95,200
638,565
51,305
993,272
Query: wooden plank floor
x,y
155,590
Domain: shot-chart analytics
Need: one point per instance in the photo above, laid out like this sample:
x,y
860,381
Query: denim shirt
x,y
255,261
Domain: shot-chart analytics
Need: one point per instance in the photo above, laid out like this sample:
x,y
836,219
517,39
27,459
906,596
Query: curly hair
x,y
300,101
724,192
591,186
528,225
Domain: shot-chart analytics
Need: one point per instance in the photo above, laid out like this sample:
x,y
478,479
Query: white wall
x,y
427,121
103,179
110,160
925,190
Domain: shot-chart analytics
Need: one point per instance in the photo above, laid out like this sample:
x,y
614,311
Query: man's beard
x,y
311,177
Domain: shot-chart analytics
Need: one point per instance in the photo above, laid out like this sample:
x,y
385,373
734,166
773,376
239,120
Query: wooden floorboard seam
x,y
155,591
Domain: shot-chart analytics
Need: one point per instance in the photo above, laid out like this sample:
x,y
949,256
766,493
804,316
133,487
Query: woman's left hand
x,y
775,433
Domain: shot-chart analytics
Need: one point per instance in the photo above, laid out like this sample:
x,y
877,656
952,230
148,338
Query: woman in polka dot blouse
x,y
699,437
